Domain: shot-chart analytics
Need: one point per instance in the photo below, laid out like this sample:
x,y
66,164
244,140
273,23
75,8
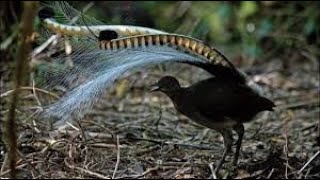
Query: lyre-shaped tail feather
x,y
73,23
215,62
96,67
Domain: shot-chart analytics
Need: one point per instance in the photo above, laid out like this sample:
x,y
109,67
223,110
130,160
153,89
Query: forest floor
x,y
131,133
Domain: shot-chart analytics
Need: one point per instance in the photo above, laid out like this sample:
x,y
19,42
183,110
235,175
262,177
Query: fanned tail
x,y
94,65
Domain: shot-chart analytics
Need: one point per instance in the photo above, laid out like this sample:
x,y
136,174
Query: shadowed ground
x,y
134,134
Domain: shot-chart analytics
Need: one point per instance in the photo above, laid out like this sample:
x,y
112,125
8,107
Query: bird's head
x,y
167,84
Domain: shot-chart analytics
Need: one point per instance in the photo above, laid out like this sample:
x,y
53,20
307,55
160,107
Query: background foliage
x,y
256,29
277,42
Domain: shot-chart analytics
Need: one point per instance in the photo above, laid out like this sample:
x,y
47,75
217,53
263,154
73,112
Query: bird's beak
x,y
153,88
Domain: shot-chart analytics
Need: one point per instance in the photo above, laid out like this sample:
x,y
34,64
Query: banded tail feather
x,y
47,15
121,49
182,42
216,62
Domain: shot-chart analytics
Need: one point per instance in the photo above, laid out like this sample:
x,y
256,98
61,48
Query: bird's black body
x,y
216,99
217,103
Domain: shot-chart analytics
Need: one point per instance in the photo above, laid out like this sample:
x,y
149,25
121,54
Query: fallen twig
x,y
118,159
270,174
95,174
286,149
104,145
10,134
142,174
214,176
54,38
20,167
95,135
29,88
308,103
310,160
187,146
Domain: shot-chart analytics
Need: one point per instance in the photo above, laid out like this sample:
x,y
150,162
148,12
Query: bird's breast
x,y
216,123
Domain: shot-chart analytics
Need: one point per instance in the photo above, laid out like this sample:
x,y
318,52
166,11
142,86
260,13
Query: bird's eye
x,y
108,35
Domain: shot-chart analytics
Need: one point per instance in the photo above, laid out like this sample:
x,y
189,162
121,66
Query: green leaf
x,y
309,27
265,28
247,8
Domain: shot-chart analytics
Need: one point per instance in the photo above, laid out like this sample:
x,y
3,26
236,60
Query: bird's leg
x,y
240,131
227,139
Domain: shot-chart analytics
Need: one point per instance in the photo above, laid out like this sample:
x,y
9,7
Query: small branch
x,y
118,159
92,135
20,167
101,176
142,174
29,88
39,49
95,135
214,176
29,12
35,95
29,164
302,104
186,146
286,149
54,38
104,145
310,160
4,164
270,174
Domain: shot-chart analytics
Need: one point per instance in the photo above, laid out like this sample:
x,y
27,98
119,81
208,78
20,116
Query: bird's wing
x,y
216,99
221,72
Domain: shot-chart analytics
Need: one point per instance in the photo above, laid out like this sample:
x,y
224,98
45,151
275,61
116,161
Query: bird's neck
x,y
175,95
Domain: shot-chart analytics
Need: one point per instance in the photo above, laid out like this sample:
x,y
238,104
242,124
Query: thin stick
x,y
310,160
300,104
29,88
32,115
148,171
28,163
158,121
20,167
214,176
270,174
55,37
101,176
306,175
35,95
104,145
286,148
143,174
39,49
4,164
29,12
118,159
182,145
73,127
85,9
97,135
82,132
